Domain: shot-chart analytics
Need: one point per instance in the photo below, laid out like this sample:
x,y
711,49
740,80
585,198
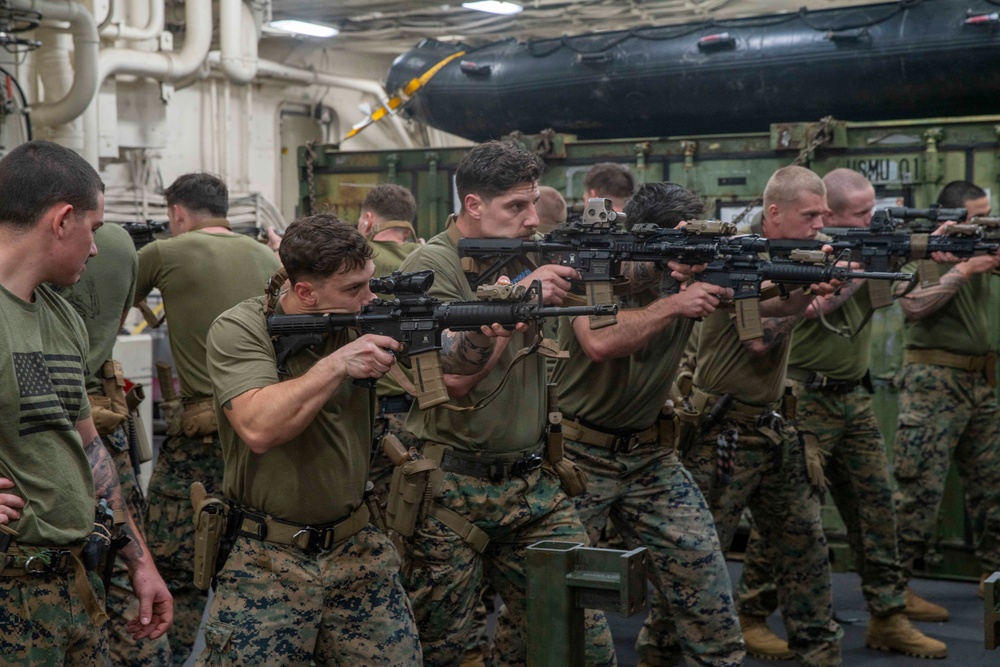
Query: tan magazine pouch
x,y
106,420
571,478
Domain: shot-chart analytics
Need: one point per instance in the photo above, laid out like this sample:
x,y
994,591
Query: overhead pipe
x,y
168,67
85,60
152,29
236,21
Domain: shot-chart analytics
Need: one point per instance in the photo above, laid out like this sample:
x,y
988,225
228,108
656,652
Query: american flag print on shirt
x,y
49,386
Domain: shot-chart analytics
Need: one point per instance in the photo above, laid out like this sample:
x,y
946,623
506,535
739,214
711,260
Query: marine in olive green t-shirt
x,y
726,367
315,478
960,326
623,393
516,419
105,291
200,275
43,347
816,348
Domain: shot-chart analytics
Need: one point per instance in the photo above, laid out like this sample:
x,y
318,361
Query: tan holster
x,y
209,529
199,418
110,410
572,479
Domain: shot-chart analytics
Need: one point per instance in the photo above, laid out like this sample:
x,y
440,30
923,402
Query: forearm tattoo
x,y
108,487
640,275
460,355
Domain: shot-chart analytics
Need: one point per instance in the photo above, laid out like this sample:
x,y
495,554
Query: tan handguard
x,y
209,530
572,479
412,489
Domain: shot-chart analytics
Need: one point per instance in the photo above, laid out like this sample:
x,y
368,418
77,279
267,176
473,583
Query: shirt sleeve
x,y
240,356
149,262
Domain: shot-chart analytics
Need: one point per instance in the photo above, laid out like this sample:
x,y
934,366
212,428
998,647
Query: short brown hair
x,y
493,168
390,202
321,245
840,184
609,179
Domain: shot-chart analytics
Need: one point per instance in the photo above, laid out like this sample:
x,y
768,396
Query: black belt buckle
x,y
526,464
623,444
320,539
771,420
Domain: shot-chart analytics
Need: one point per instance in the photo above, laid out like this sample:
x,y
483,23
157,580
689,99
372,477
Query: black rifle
x,y
598,245
142,233
418,321
745,272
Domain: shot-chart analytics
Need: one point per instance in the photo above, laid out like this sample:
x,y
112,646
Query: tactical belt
x,y
618,441
742,412
494,470
42,561
311,539
819,382
962,362
394,404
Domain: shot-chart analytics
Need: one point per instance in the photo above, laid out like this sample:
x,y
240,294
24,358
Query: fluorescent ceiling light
x,y
304,28
494,7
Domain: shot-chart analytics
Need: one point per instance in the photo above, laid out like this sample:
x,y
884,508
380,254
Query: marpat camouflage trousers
x,y
844,429
277,605
945,415
769,478
170,528
444,574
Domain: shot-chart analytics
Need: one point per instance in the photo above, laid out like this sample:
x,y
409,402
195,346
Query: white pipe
x,y
248,133
238,38
85,59
165,66
152,29
225,125
56,74
213,104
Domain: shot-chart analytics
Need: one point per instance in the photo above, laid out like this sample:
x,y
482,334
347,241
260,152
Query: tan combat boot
x,y
761,641
919,609
895,633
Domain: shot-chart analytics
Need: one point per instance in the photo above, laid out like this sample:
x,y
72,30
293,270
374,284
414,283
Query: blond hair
x,y
789,183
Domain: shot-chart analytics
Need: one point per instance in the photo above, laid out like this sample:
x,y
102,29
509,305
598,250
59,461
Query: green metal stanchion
x,y
564,579
991,611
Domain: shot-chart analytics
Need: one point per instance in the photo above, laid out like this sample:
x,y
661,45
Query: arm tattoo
x,y
776,329
107,486
460,355
924,301
640,274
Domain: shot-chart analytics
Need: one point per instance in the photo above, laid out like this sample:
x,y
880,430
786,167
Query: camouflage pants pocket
x,y
218,651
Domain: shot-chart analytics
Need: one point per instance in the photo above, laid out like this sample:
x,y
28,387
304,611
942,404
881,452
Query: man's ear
x,y
772,211
59,219
474,206
305,292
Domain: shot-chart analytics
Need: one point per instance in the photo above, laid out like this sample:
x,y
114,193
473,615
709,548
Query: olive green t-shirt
x,y
961,326
316,477
200,275
105,290
725,366
516,418
816,348
388,256
623,393
42,397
